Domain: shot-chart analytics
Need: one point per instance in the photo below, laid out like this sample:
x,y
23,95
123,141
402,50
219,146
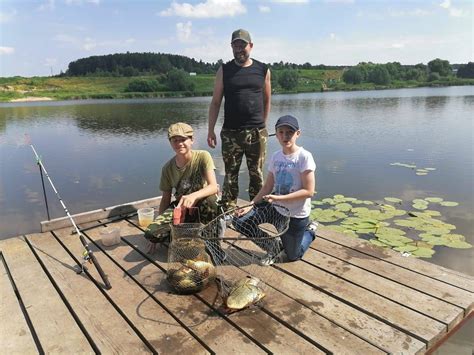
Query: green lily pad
x,y
406,248
448,203
434,199
458,244
430,169
378,243
343,207
392,199
423,252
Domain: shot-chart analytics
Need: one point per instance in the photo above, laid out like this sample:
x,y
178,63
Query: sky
x,y
40,38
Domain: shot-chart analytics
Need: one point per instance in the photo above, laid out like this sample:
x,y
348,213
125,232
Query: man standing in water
x,y
245,84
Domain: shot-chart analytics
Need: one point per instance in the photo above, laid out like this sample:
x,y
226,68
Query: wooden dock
x,y
345,296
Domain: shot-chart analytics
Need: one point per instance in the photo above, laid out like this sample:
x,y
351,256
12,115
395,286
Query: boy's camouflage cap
x,y
180,129
241,34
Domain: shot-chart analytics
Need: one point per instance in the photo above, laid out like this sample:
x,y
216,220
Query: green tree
x,y
179,80
354,75
434,76
379,75
442,67
466,71
288,79
142,85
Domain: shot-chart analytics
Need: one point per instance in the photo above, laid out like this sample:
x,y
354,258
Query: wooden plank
x,y
15,335
426,329
313,326
109,331
440,273
441,290
195,314
353,320
56,329
157,326
418,301
103,213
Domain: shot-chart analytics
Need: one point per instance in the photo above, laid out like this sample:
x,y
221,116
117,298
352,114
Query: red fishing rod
x,y
87,255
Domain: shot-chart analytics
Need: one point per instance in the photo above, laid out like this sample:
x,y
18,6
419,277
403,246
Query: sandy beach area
x,y
31,98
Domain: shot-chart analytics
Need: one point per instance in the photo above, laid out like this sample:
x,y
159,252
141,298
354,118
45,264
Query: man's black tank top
x,y
244,95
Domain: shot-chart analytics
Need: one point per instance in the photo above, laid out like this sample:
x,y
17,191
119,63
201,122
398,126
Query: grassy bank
x,y
74,88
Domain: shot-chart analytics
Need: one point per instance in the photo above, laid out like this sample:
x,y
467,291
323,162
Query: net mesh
x,y
190,268
241,253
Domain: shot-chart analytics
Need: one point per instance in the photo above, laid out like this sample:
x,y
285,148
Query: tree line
x,y
134,64
384,74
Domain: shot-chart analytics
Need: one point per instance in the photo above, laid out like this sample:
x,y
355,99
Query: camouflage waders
x,y
235,143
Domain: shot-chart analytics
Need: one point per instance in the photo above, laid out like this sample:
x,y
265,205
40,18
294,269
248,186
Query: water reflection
x,y
103,153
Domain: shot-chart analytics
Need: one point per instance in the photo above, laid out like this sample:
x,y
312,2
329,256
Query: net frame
x,y
240,254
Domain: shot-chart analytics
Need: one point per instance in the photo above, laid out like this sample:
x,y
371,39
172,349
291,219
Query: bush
x,y
288,79
434,77
179,80
466,71
142,85
379,75
353,76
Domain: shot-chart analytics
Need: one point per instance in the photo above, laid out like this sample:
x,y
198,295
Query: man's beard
x,y
241,57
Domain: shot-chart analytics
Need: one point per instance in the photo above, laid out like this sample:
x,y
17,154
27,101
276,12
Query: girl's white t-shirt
x,y
286,170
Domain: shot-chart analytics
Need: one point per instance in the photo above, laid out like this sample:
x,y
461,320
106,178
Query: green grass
x,y
67,88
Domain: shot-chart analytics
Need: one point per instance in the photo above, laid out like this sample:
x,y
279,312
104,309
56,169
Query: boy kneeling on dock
x,y
290,183
191,174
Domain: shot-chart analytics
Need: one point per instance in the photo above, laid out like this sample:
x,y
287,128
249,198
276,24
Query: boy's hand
x,y
186,201
244,210
271,198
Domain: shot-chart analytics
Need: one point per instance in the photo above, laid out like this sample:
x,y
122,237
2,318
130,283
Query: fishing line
x,y
87,255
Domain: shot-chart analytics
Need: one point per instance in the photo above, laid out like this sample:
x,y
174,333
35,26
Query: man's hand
x,y
244,210
211,139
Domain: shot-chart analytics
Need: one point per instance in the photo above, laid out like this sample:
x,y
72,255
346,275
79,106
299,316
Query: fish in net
x,y
252,234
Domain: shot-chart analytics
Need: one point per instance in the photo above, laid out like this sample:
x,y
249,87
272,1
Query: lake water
x,y
103,153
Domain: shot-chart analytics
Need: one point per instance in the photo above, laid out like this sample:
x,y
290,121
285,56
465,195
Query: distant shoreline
x,y
17,90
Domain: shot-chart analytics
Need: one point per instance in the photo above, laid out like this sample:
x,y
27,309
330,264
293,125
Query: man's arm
x,y
214,108
267,95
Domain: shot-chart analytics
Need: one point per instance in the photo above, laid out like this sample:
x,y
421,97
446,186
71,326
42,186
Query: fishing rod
x,y
87,255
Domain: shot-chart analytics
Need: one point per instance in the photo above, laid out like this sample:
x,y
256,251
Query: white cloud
x,y
7,16
264,9
7,50
48,5
183,31
446,4
339,1
454,11
412,13
208,9
291,1
80,2
398,45
89,44
332,36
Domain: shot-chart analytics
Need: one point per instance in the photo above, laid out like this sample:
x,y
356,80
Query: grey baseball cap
x,y
241,34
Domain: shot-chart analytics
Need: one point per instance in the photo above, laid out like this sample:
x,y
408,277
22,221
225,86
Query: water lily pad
x,y
317,203
458,244
430,169
405,248
423,252
448,203
392,199
421,173
378,243
434,199
419,206
343,207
